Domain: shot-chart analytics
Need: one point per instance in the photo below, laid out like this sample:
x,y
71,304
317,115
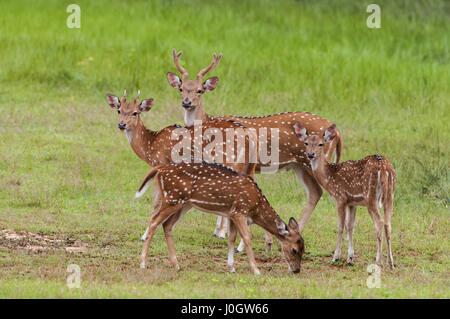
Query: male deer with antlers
x,y
216,188
368,182
155,147
291,152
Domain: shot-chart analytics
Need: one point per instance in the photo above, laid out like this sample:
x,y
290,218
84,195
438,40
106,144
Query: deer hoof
x,y
335,261
222,235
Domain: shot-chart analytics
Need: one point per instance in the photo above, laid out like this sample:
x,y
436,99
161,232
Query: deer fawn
x,y
290,150
155,147
368,182
216,188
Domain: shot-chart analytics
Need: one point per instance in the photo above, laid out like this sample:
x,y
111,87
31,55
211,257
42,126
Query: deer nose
x,y
122,126
186,103
310,155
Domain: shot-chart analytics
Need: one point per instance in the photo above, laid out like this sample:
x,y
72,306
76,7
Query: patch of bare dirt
x,y
37,243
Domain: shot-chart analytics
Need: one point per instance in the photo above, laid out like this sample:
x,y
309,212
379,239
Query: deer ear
x,y
146,105
174,80
300,131
211,83
281,227
293,224
330,133
113,101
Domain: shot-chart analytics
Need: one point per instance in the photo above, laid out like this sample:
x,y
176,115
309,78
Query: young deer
x,y
290,150
216,188
368,182
155,147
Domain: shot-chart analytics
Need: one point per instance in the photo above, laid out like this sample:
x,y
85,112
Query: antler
x,y
176,60
137,96
214,63
124,96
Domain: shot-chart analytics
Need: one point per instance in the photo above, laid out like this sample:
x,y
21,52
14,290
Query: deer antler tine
x,y
138,94
176,60
125,93
214,63
175,54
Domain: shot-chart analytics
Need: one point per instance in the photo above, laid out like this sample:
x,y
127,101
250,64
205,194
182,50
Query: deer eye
x,y
306,143
200,91
118,111
135,113
294,250
321,144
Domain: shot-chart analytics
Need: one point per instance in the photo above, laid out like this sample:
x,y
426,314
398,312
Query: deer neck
x,y
267,218
197,114
322,171
141,139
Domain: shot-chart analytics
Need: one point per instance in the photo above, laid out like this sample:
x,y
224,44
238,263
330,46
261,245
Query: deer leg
x,y
374,213
269,241
144,236
350,225
387,230
231,241
155,220
241,247
223,228
241,224
313,192
341,220
168,226
156,205
220,230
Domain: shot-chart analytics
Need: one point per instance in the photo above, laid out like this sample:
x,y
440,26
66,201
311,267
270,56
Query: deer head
x,y
129,111
192,90
314,143
292,244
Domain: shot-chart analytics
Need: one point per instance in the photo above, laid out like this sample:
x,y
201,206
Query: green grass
x,y
66,171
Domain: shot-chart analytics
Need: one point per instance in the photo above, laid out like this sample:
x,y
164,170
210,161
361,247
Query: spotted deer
x,y
368,182
221,190
155,147
291,151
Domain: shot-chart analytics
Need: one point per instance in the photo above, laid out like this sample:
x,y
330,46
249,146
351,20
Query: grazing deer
x,y
155,147
216,188
290,150
368,182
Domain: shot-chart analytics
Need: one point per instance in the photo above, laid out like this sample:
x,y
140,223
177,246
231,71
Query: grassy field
x,y
67,173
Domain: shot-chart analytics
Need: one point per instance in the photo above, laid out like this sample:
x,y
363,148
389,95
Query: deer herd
x,y
201,175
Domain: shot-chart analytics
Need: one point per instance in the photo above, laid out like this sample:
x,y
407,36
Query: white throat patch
x,y
189,117
129,135
314,164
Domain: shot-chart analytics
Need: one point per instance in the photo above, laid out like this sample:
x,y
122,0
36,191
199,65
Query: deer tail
x,y
389,188
339,146
146,183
